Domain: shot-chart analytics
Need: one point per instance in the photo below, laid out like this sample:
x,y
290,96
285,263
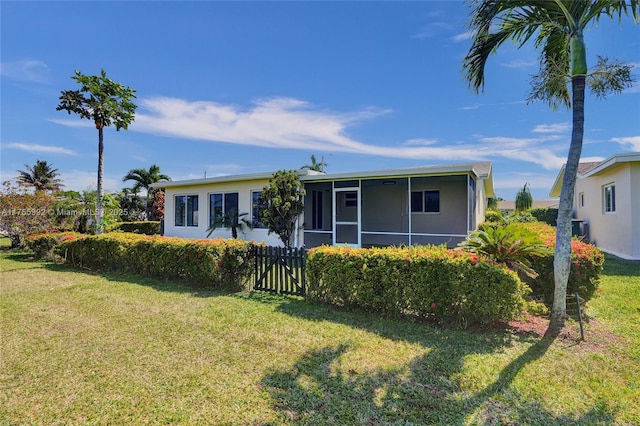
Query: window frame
x,y
256,207
609,198
224,200
424,201
188,220
581,200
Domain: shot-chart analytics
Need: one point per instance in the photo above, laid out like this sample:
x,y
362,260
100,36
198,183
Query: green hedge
x,y
450,286
42,244
586,265
546,215
211,263
146,227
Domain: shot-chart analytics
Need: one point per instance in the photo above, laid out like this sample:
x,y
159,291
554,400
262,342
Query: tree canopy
x,y
284,201
42,177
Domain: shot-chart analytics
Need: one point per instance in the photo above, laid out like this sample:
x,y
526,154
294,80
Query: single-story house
x,y
607,203
419,205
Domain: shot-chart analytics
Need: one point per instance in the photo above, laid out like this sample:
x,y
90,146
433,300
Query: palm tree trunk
x,y
562,260
99,211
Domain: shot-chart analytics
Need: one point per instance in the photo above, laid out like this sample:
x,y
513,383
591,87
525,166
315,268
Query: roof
x,y
482,170
537,204
591,168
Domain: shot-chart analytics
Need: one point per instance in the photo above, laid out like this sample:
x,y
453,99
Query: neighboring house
x,y
607,202
509,207
420,205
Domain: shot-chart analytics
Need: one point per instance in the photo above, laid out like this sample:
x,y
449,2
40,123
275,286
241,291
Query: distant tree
x,y
42,177
144,178
23,213
132,208
284,201
318,167
524,200
557,28
105,102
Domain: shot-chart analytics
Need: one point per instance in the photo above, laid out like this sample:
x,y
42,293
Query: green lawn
x,y
80,348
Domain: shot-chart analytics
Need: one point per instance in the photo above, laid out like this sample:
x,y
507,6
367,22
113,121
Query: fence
x,y
280,270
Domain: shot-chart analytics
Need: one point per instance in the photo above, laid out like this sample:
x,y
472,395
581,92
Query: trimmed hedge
x,y
546,215
146,227
42,244
211,263
586,265
450,286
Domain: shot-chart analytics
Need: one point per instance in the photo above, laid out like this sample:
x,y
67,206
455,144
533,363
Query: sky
x,y
226,88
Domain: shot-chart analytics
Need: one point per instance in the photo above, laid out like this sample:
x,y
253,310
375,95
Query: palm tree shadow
x,y
316,391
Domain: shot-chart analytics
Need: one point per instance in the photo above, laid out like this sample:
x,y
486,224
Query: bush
x,y
212,263
42,244
586,265
494,215
434,282
546,215
146,227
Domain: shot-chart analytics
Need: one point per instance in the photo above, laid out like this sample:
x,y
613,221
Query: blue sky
x,y
245,87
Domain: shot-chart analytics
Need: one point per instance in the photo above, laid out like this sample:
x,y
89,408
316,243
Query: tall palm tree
x,y
106,103
42,176
557,27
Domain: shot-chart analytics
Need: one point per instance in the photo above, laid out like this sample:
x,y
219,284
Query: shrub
x,y
448,285
212,263
146,227
546,215
42,244
494,215
586,265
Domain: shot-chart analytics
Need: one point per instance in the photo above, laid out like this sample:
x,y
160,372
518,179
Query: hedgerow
x,y
586,264
211,263
43,243
147,227
450,286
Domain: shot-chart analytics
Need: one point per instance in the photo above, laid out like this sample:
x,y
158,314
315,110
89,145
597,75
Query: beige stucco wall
x,y
243,189
615,232
452,218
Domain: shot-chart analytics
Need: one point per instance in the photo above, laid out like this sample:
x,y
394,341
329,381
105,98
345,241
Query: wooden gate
x,y
280,270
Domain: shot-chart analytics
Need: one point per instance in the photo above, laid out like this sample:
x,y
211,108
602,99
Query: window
x,y
186,210
221,206
316,209
351,199
581,199
256,207
609,198
425,201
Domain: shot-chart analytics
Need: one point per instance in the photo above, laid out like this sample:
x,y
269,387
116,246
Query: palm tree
x,y
42,176
524,200
557,27
105,102
144,178
318,167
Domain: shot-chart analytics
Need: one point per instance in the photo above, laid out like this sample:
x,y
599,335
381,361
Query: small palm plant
x,y
231,220
513,246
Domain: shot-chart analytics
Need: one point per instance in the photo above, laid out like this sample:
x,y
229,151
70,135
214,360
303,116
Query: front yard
x,y
80,348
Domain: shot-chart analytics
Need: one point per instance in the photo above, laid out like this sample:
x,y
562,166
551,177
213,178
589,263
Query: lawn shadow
x,y
313,392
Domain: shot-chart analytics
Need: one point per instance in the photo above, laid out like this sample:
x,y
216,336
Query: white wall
x,y
243,189
612,232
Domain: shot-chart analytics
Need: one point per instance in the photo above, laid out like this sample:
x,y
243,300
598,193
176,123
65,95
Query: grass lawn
x,y
78,348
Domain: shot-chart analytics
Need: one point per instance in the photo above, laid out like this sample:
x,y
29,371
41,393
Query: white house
x,y
419,205
607,201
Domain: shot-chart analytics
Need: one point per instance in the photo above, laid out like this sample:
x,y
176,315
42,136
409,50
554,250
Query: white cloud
x,y
69,122
276,123
432,29
518,64
48,149
462,36
552,128
632,142
26,70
